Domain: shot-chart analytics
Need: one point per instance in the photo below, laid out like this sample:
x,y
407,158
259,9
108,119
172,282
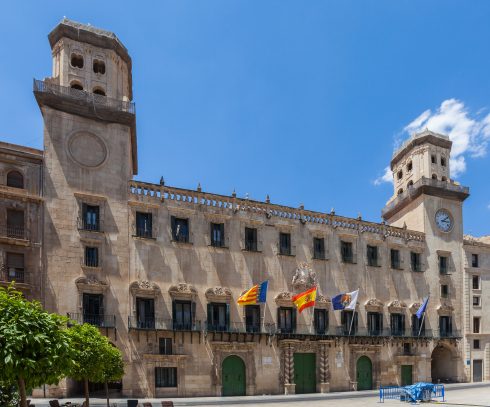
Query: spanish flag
x,y
256,295
305,299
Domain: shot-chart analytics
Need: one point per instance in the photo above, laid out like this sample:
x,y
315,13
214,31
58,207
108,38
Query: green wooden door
x,y
305,372
233,376
364,373
406,375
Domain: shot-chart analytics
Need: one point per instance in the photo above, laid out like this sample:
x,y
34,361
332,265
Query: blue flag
x,y
422,308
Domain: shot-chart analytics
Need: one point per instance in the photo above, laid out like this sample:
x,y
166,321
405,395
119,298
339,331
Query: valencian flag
x,y
422,308
345,300
305,299
256,295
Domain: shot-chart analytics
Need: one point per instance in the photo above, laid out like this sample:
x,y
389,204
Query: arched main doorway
x,y
233,376
443,367
364,373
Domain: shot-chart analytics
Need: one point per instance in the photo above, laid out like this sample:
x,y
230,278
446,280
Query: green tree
x,y
34,344
91,355
113,367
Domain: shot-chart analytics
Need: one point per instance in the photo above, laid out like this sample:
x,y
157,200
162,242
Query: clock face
x,y
443,220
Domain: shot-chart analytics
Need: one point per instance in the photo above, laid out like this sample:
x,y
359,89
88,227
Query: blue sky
x,y
302,100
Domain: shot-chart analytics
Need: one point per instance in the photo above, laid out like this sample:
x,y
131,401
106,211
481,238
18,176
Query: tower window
x,y
434,176
409,166
99,91
76,85
15,179
76,61
99,67
400,174
443,161
433,158
400,191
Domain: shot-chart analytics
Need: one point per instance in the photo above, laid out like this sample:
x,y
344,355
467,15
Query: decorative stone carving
x,y
144,287
373,305
304,277
90,284
322,301
182,291
218,294
397,306
445,309
284,299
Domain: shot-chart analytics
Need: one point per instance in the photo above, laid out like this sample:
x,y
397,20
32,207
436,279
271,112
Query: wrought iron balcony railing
x,y
15,232
83,96
13,274
99,320
163,324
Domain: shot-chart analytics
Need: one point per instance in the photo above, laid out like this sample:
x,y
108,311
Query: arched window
x,y
400,174
15,179
76,61
400,191
99,91
409,166
434,176
410,184
76,85
443,161
99,67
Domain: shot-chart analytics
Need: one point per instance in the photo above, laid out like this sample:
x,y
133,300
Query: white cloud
x,y
386,177
470,133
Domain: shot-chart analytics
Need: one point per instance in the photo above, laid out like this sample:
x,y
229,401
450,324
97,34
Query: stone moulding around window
x,y
182,291
397,307
284,299
445,309
374,305
218,294
144,288
91,285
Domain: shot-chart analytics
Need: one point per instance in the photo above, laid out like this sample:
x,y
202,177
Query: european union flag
x,y
422,308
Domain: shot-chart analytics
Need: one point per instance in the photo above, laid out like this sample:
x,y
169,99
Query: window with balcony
x,y
218,317
475,282
474,260
415,261
476,325
418,326
165,346
443,265
145,313
445,326
252,318
319,248
320,321
397,324
144,223
99,67
91,256
180,229
93,309
165,377
15,224
217,234
285,244
349,326
375,323
444,291
372,256
15,179
476,300
286,319
346,252
251,239
14,267
90,217
76,61
395,259
183,314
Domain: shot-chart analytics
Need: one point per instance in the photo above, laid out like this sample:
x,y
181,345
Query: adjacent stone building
x,y
159,268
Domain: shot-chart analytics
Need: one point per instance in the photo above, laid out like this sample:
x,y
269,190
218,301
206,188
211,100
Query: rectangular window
x,y
145,313
445,326
476,301
476,344
349,327
415,261
218,317
143,224
418,326
476,325
90,219
372,256
444,291
395,259
165,346
319,248
285,243
251,239
443,261
476,282
165,377
474,260
397,324
375,323
217,234
320,321
15,267
346,252
180,229
182,315
286,319
91,256
93,310
252,318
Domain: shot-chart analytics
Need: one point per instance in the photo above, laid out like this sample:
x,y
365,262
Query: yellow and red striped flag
x,y
305,299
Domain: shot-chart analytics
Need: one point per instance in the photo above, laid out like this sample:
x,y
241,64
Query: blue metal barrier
x,y
403,393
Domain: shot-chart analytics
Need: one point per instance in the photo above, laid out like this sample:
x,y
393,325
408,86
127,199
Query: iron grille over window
x,y
251,239
144,224
180,229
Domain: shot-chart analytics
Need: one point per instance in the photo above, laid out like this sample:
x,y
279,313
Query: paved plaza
x,y
456,395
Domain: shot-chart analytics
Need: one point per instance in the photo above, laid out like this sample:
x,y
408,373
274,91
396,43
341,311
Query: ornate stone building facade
x,y
159,268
